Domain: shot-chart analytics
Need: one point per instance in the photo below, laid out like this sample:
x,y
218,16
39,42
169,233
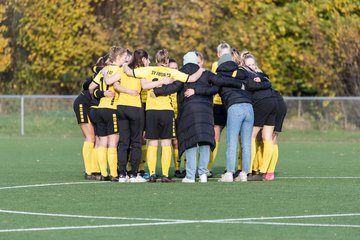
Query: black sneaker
x,y
210,174
236,174
179,174
152,179
165,179
104,178
255,177
113,179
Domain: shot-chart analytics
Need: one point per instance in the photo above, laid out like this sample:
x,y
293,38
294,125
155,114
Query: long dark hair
x,y
136,60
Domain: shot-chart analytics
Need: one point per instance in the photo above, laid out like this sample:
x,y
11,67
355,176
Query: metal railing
x,y
41,113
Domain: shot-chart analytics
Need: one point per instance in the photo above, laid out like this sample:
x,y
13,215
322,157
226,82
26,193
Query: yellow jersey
x,y
217,98
174,104
129,83
155,74
107,102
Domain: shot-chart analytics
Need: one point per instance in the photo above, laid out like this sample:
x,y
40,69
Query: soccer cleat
x,y
123,178
152,179
187,180
226,177
242,177
113,179
165,179
179,174
137,179
255,177
210,174
104,178
88,176
203,178
269,177
97,176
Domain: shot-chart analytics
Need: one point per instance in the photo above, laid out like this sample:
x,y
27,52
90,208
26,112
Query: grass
x,y
29,160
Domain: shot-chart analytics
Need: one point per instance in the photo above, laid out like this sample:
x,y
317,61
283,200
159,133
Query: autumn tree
x,y
62,39
5,51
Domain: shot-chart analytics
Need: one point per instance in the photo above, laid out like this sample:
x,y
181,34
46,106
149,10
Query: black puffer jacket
x,y
237,85
195,124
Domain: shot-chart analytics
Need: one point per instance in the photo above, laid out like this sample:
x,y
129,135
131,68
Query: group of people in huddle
x,y
128,108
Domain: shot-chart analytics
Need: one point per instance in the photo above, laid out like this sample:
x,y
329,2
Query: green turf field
x,y
316,196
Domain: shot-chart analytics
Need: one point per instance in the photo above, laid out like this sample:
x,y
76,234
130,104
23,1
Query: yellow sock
x,y
152,158
86,151
177,161
268,151
239,166
213,156
258,155
112,161
253,153
165,160
102,152
274,159
94,161
143,158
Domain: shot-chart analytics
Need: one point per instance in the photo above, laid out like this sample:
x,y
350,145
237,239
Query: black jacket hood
x,y
190,68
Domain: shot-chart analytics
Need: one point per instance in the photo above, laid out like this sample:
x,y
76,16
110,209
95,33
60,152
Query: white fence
x,y
53,114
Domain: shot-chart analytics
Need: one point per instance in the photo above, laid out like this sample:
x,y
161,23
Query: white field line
x,y
287,217
90,217
91,227
48,184
181,220
301,224
172,223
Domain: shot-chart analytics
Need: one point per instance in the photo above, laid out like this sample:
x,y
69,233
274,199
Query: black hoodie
x,y
237,86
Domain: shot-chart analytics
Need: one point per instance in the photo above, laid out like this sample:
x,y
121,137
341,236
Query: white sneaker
x,y
226,177
203,178
187,180
137,179
123,179
242,177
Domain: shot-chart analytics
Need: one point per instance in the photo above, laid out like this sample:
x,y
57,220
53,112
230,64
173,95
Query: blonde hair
x,y
115,52
236,56
246,55
162,57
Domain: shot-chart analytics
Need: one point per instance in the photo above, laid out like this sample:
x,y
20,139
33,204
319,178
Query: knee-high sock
x,y
94,161
112,161
268,151
253,153
213,156
143,158
239,166
177,160
86,152
102,160
274,159
258,155
165,160
152,158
